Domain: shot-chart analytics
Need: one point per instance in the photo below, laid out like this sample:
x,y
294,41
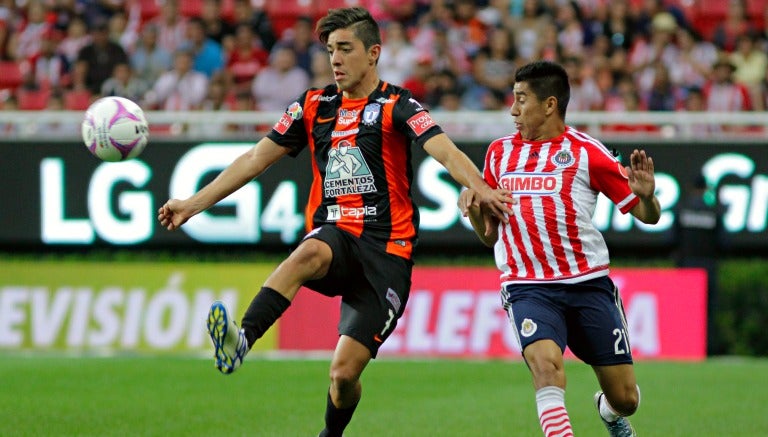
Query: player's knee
x,y
344,378
313,256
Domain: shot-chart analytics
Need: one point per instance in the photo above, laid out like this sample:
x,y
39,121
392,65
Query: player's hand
x,y
495,203
641,174
173,214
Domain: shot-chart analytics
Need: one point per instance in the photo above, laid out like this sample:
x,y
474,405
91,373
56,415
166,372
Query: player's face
x,y
352,64
529,112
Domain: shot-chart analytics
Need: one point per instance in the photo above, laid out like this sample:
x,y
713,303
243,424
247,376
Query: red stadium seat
x,y
149,9
191,8
10,75
33,100
283,13
77,100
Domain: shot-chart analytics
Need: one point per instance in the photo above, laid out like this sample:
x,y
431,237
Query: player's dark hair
x,y
547,79
358,20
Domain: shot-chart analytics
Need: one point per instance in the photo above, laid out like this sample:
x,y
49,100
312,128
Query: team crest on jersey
x,y
563,159
528,328
295,111
347,172
371,113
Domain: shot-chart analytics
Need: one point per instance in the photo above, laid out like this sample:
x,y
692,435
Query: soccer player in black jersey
x,y
361,219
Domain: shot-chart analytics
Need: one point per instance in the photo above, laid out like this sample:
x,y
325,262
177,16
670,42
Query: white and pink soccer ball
x,y
115,129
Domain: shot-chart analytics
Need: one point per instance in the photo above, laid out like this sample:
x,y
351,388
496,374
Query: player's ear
x,y
373,54
550,105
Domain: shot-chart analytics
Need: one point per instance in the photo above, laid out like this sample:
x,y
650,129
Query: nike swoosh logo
x,y
325,120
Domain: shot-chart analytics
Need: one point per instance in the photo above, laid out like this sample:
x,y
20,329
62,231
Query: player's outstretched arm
x,y
464,171
247,166
643,183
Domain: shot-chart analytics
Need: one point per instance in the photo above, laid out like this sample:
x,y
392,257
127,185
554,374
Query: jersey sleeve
x,y
608,176
290,131
489,175
412,119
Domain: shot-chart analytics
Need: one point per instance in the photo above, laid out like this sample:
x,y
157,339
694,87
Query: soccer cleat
x,y
229,342
618,428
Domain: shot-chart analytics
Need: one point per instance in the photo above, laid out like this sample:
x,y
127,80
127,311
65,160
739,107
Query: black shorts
x,y
588,317
373,285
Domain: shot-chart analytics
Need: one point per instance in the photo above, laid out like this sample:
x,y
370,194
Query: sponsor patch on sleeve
x,y
421,122
283,124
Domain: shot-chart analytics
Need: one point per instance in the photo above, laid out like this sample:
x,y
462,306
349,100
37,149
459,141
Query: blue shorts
x,y
588,317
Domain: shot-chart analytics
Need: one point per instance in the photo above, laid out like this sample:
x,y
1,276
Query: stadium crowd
x,y
622,55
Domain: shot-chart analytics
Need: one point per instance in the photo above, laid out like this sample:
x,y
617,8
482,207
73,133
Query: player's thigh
x,y
370,311
536,313
597,329
344,271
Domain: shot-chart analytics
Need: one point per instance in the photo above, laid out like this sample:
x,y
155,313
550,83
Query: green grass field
x,y
164,396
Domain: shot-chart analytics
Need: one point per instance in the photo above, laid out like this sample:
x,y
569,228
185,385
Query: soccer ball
x,y
115,129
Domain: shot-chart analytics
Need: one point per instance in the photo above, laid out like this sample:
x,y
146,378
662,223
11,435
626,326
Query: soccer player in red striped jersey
x,y
361,218
553,261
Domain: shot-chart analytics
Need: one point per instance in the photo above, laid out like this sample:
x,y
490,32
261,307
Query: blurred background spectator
x,y
280,82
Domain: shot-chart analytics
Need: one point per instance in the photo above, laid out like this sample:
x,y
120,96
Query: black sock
x,y
336,419
264,310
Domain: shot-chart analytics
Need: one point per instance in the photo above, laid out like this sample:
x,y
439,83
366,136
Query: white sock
x,y
553,418
606,411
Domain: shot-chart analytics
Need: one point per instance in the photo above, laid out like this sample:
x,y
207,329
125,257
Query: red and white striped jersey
x,y
550,235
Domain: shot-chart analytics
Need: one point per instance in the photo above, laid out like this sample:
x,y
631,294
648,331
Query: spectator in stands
x,y
735,24
301,39
208,55
585,94
322,72
8,18
258,19
124,27
466,29
398,55
659,47
76,38
663,95
246,59
25,42
722,93
448,56
439,83
180,89
171,26
149,60
751,64
694,61
619,26
95,11
216,26
528,28
49,68
571,31
696,102
493,69
281,82
124,83
416,83
387,11
96,61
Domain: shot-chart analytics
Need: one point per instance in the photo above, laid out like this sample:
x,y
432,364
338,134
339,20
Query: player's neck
x,y
367,85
